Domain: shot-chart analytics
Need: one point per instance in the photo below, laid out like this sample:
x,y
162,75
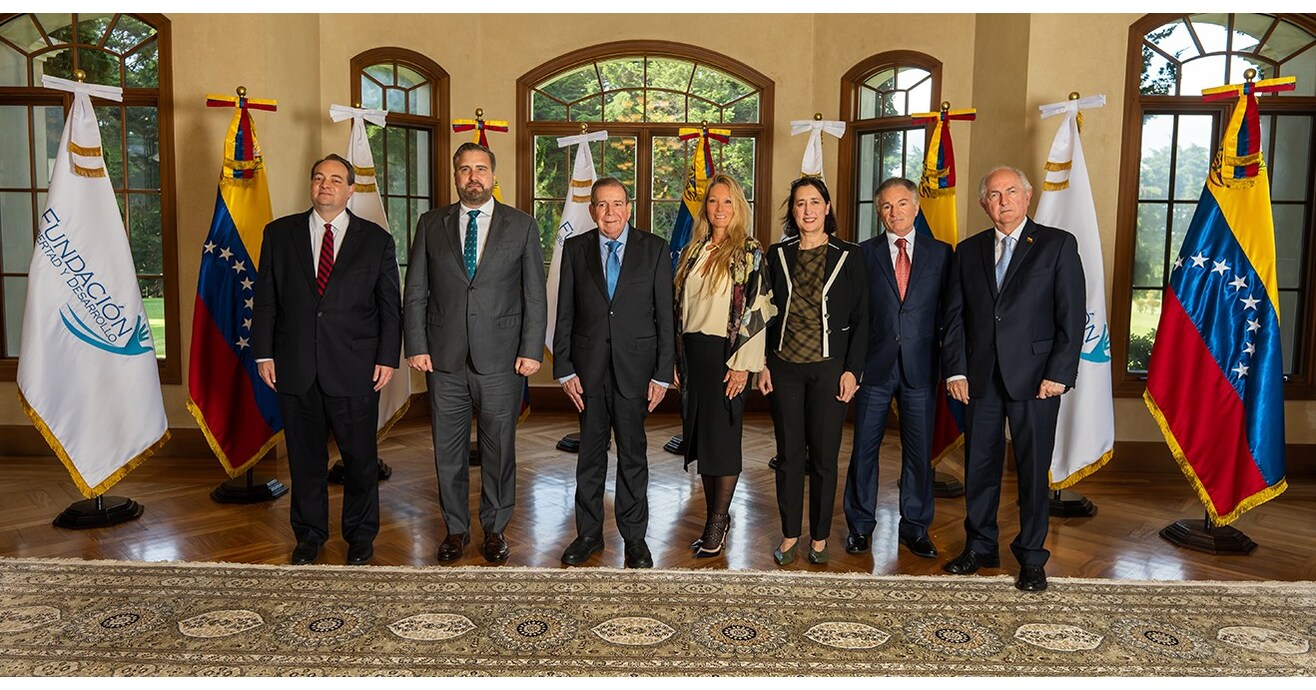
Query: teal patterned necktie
x,y
472,239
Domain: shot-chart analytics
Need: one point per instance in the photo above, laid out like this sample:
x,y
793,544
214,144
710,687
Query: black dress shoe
x,y
968,563
581,549
638,556
920,546
857,543
1032,578
495,547
453,545
360,553
305,552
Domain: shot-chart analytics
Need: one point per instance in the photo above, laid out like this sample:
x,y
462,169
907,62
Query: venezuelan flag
x,y
1216,376
696,183
937,218
237,412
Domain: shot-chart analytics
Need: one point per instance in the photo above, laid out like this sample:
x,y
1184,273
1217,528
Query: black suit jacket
x,y
632,331
339,337
905,334
1032,328
845,299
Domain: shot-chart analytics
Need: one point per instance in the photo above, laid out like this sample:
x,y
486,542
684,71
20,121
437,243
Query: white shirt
x,y
340,224
482,223
891,238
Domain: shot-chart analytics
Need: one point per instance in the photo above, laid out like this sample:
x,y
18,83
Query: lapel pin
x,y
1029,239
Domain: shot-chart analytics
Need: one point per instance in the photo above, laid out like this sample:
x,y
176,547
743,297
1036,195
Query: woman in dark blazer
x,y
816,347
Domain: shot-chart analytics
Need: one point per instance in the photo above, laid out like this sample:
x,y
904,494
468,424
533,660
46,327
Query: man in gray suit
x,y
475,313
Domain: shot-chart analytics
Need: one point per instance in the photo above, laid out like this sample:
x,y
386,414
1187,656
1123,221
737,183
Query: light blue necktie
x,y
472,240
1007,251
613,268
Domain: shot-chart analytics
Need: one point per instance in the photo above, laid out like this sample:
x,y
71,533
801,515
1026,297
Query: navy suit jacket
x,y
905,334
1032,328
339,337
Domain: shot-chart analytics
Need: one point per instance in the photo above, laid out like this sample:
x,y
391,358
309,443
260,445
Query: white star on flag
x,y
246,324
1178,262
1219,267
1239,283
1250,349
210,247
1250,302
1253,325
1199,261
239,266
246,283
248,303
1241,369
225,254
242,343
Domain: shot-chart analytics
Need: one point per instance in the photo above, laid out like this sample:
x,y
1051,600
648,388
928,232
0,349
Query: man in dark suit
x,y
906,274
326,331
613,353
1015,311
475,313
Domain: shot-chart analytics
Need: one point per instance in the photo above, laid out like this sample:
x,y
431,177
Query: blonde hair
x,y
733,248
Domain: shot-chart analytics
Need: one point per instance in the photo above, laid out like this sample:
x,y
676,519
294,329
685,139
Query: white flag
x,y
575,215
812,164
1085,433
87,374
395,398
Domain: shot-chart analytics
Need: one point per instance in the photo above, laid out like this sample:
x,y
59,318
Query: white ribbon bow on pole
x,y
812,164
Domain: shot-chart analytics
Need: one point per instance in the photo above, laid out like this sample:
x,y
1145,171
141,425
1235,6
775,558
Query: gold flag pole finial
x,y
479,113
1250,74
357,105
817,117
584,127
1073,95
242,92
79,75
945,106
703,126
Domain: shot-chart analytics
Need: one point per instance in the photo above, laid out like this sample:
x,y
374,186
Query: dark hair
x,y
472,146
890,182
788,221
608,182
351,170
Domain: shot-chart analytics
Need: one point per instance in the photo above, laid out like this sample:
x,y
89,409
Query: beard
x,y
475,195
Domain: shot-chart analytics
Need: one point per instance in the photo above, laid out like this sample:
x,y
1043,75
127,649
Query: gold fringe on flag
x,y
1049,186
88,172
365,188
1058,167
363,172
87,151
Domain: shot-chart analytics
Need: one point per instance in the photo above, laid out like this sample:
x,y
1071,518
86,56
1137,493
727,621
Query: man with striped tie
x,y
326,331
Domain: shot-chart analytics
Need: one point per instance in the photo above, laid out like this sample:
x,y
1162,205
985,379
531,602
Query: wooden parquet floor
x,y
181,522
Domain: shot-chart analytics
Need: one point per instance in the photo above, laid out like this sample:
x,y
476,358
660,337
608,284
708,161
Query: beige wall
x,y
1004,65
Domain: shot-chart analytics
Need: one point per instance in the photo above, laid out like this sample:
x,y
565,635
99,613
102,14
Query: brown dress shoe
x,y
453,545
495,547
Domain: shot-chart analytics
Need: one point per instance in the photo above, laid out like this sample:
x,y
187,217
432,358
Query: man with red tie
x,y
326,332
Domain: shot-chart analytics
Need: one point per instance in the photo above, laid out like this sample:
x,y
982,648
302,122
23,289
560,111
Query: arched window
x,y
1170,136
411,151
642,92
124,50
877,97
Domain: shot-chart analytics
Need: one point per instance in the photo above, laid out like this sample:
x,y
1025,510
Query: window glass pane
x,y
624,106
13,67
573,85
1144,315
1174,39
1159,76
884,80
110,119
144,233
907,77
738,161
16,231
623,73
127,33
49,127
1303,66
744,110
548,214
588,110
1182,218
914,154
15,299
893,154
867,226
408,77
545,108
57,63
372,95
141,67
1248,30
1289,326
143,149
668,167
1239,65
23,33
1288,244
92,26
395,100
703,111
1287,39
15,154
1202,73
419,165
1211,31
668,73
58,26
1149,253
552,168
153,301
382,73
396,160
867,103
101,67
395,207
617,160
1291,158
664,217
868,153
920,97
665,106
1195,147
717,86
418,101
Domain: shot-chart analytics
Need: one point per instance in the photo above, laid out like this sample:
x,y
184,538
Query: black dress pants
x,y
806,418
607,412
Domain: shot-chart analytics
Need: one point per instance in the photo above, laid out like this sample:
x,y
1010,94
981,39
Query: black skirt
x,y
710,423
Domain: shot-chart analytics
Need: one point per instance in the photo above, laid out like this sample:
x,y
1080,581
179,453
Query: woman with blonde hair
x,y
722,306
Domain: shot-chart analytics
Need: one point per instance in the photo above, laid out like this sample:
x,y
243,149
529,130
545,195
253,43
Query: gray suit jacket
x,y
495,318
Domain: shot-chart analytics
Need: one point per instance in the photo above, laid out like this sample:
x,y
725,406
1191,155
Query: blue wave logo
x,y
1099,353
138,344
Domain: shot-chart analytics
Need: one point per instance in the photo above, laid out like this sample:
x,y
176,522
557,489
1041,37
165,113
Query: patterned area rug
x,y
118,618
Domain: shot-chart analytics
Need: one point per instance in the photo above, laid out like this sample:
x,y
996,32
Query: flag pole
x,y
676,444
571,442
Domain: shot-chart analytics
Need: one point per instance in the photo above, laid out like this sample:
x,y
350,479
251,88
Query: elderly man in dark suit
x,y
326,331
906,273
613,353
1015,311
475,312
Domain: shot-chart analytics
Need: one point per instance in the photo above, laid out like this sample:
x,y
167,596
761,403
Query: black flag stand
x,y
946,485
250,488
1066,503
569,443
675,445
102,511
1201,535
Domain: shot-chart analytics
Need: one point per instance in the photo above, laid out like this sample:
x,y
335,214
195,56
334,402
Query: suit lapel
x,y
986,248
884,264
917,266
492,243
634,257
303,251
1022,247
595,262
347,251
452,227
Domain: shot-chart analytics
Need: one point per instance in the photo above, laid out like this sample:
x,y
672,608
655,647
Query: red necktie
x,y
902,268
327,259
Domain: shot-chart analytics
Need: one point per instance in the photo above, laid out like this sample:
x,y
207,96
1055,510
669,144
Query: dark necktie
x,y
902,268
326,259
472,239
